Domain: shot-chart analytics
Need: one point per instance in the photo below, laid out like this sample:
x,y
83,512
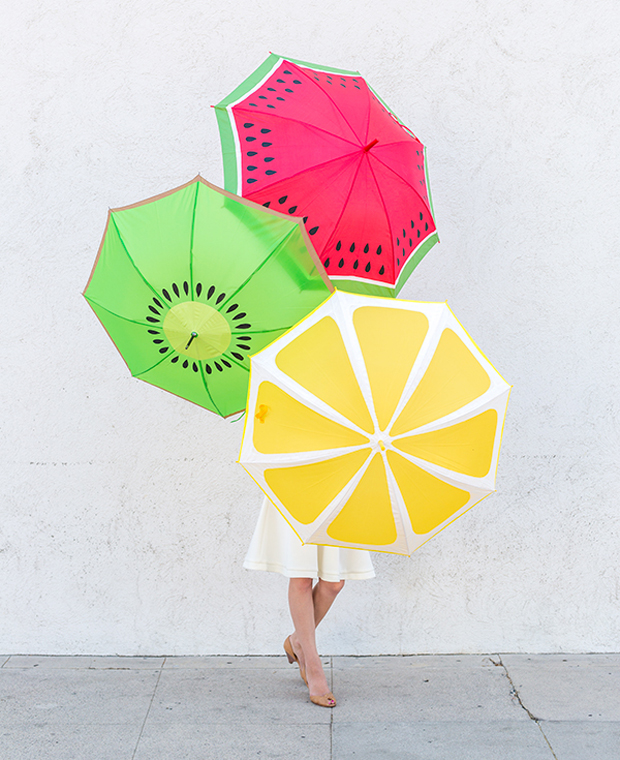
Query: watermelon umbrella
x,y
190,282
374,423
319,143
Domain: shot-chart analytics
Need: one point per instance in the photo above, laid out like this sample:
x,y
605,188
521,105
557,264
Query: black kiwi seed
x,y
175,359
237,356
164,349
198,288
220,298
226,364
367,267
243,346
208,368
232,308
313,231
186,288
185,364
158,303
154,332
240,315
152,319
338,245
166,294
244,337
244,326
217,367
282,199
158,341
154,310
194,366
175,287
210,292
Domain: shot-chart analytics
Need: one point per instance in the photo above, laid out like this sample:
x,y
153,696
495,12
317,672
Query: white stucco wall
x,y
124,518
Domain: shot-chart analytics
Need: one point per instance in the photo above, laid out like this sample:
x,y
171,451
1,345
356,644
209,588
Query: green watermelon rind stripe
x,y
413,260
319,67
428,186
229,150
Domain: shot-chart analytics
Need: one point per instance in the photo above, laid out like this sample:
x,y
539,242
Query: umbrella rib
x,y
133,263
121,316
387,216
329,97
389,168
191,244
298,121
344,206
148,369
204,382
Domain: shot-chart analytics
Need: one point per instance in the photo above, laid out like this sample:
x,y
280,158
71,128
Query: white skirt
x,y
276,548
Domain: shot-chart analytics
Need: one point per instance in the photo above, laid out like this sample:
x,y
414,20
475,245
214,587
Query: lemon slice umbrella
x,y
191,282
374,423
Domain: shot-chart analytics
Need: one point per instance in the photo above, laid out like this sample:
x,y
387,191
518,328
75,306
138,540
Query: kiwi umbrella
x,y
374,423
189,283
318,142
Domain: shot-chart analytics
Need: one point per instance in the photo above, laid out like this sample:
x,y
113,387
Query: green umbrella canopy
x,y
188,284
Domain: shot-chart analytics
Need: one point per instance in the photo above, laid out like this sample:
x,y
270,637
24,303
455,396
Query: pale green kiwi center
x,y
197,330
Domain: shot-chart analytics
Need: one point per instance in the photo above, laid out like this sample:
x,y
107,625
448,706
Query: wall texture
x,y
124,518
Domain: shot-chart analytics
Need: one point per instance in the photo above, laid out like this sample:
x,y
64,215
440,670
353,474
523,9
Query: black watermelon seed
x,y
421,216
211,292
244,326
356,264
251,153
282,199
227,364
266,145
250,180
397,241
158,303
220,298
367,267
268,159
270,106
341,263
164,349
317,79
418,152
251,168
410,242
296,81
418,233
329,81
250,139
240,315
263,97
404,234
175,287
237,356
199,289
286,89
288,72
152,319
342,85
194,366
426,225
292,209
243,346
186,288
154,310
166,294
339,245
269,172
352,248
305,219
208,368
313,231
157,341
248,124
272,89
279,98
266,205
174,359
379,251
412,224
154,332
382,270
356,87
185,364
232,308
253,104
265,131
218,368
404,254
366,248
397,262
326,264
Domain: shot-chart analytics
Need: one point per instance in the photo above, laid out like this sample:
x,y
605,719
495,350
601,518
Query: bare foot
x,y
317,682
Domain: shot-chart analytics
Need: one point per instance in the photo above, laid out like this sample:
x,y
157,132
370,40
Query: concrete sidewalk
x,y
431,707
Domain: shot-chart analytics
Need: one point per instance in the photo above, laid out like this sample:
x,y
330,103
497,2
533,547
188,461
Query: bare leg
x,y
308,607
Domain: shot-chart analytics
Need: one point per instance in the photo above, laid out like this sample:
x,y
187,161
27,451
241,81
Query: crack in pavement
x,y
517,696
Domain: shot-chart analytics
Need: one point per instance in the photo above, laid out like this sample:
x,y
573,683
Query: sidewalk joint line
x,y
148,710
515,692
5,662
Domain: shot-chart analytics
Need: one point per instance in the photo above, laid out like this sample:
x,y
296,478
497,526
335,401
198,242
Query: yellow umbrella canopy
x,y
374,423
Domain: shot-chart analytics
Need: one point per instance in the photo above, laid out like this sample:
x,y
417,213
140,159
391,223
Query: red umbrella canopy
x,y
319,143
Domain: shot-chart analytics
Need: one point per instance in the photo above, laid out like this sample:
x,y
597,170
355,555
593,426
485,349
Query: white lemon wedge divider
x,y
374,423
